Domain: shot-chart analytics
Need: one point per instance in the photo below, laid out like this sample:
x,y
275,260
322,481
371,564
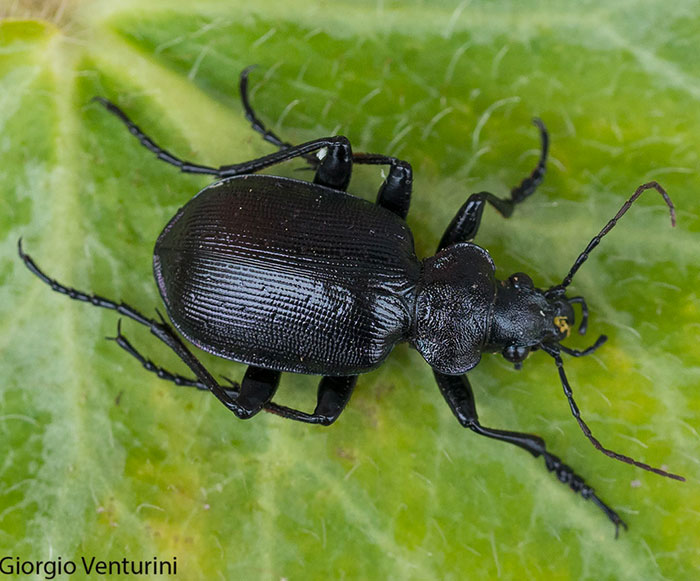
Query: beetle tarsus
x,y
465,224
566,475
161,329
152,146
528,186
334,392
259,127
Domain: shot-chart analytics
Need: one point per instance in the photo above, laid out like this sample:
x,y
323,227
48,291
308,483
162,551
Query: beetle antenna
x,y
554,352
610,225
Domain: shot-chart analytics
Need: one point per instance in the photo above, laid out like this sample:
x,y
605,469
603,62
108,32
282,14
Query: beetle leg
x,y
335,168
149,365
304,150
465,224
167,335
528,186
333,395
148,143
336,143
395,192
333,392
257,388
259,127
459,396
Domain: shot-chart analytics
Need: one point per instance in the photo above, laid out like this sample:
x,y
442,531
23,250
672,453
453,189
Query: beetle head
x,y
525,317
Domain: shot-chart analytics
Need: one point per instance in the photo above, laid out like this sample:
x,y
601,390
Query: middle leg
x,y
395,192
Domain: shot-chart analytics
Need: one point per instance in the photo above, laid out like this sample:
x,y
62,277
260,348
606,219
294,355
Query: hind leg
x,y
395,192
259,387
333,392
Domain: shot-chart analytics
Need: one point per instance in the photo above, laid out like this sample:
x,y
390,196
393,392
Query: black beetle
x,y
288,275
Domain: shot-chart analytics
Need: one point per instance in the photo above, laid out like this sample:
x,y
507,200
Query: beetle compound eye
x,y
516,353
521,280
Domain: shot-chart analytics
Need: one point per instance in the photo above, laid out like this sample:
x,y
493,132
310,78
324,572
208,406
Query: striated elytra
x,y
287,275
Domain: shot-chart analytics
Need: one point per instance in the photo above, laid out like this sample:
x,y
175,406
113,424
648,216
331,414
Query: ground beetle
x,y
287,275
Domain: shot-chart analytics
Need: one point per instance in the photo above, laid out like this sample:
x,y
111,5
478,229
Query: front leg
x,y
465,224
459,396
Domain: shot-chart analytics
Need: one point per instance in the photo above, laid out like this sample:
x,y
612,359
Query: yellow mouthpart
x,y
562,324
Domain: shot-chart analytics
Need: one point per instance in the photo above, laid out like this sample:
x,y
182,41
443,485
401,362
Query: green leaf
x,y
101,458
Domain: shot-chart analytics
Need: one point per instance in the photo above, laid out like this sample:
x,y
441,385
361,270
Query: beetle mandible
x,y
286,275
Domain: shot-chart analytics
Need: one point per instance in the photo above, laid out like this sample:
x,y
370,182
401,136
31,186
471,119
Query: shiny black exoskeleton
x,y
287,275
